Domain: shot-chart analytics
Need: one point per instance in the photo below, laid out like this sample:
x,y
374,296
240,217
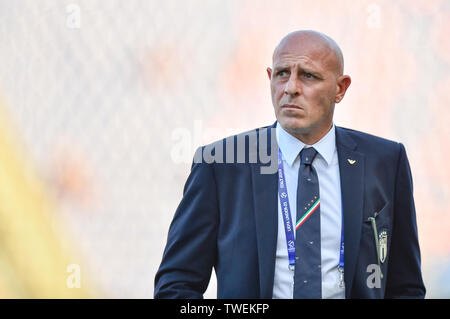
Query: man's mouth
x,y
291,106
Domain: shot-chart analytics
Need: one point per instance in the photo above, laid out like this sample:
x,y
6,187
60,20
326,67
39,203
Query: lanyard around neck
x,y
289,226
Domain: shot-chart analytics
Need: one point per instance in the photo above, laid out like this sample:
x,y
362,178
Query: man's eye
x,y
309,76
282,73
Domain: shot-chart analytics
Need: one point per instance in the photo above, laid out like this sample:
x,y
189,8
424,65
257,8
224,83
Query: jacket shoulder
x,y
364,140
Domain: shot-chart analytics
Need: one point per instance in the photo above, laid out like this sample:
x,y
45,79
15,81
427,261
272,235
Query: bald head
x,y
325,46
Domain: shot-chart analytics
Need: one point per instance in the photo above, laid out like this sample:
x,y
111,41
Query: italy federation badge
x,y
382,240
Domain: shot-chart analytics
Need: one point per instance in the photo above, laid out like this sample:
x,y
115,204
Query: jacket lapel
x,y
265,200
351,170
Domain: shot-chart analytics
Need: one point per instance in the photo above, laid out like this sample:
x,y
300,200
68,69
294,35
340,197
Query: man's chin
x,y
294,126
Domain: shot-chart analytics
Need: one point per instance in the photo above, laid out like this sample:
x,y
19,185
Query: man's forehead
x,y
309,47
302,58
317,62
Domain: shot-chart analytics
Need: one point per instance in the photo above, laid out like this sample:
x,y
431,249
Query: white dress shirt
x,y
327,168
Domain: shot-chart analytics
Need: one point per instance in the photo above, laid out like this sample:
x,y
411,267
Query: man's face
x,y
304,86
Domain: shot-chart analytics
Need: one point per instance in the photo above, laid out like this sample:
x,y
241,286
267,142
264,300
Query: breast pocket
x,y
381,218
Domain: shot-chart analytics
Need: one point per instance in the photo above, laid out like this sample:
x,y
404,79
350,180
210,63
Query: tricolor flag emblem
x,y
310,211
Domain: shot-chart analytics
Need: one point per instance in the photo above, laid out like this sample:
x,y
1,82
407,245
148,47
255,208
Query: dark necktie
x,y
308,275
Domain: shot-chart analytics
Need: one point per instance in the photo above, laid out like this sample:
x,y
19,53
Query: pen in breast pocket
x,y
377,244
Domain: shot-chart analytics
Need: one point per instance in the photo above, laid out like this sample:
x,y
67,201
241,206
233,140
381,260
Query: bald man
x,y
301,208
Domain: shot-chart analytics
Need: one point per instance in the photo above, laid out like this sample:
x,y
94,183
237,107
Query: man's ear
x,y
342,84
269,73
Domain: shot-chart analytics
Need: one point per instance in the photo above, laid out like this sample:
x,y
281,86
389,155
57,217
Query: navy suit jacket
x,y
228,216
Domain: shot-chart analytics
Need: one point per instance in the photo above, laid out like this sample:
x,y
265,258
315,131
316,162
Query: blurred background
x,y
103,103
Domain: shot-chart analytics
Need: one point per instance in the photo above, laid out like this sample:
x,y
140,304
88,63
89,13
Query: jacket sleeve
x,y
404,278
190,251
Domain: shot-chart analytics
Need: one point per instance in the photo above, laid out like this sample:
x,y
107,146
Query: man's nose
x,y
292,86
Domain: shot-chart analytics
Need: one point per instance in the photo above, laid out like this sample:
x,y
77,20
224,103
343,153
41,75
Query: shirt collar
x,y
290,146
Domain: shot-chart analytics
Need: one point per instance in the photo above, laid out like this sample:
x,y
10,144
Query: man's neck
x,y
310,138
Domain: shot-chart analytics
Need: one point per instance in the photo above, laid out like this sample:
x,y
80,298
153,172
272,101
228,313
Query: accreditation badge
x,y
382,240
